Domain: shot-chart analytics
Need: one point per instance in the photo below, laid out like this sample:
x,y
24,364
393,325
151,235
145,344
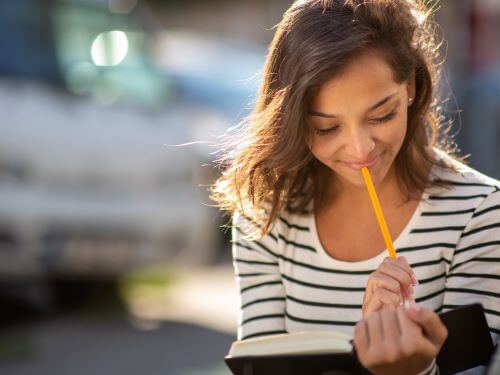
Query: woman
x,y
350,84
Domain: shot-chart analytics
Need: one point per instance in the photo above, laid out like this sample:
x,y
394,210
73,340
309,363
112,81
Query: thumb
x,y
430,322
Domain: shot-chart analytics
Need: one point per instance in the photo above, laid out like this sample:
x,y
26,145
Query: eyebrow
x,y
375,106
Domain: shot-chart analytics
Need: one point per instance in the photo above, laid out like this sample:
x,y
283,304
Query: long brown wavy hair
x,y
267,164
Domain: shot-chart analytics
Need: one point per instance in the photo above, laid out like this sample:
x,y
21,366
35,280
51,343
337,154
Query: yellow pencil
x,y
378,212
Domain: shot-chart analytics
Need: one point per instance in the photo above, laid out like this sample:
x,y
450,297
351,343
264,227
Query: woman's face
x,y
360,118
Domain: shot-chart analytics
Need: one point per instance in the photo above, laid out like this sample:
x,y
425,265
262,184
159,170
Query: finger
x,y
390,325
411,339
387,297
411,290
381,280
404,294
381,298
362,344
412,299
402,261
374,328
391,269
371,305
433,327
361,338
408,294
408,327
391,344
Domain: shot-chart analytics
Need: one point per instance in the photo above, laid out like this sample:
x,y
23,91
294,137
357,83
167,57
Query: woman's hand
x,y
401,341
389,286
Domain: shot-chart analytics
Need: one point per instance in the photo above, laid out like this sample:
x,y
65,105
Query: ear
x,y
411,88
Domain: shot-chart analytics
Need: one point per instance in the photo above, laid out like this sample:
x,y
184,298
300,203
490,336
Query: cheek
x,y
400,133
323,147
394,135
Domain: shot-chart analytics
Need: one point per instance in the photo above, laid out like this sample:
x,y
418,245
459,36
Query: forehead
x,y
364,80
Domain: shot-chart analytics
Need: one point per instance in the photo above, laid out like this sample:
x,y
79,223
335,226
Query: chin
x,y
357,182
356,179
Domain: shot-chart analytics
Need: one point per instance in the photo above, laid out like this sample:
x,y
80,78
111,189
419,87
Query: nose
x,y
360,144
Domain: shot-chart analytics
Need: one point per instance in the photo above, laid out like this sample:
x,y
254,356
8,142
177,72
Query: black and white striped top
x,y
289,283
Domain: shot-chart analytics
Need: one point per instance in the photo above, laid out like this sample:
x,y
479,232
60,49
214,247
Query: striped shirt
x,y
289,283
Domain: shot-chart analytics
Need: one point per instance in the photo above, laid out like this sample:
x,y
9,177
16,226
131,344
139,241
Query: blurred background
x,y
112,260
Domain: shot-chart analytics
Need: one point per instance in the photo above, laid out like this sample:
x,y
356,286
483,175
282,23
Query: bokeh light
x,y
109,48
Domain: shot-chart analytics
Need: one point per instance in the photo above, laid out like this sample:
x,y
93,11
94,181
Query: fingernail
x,y
414,280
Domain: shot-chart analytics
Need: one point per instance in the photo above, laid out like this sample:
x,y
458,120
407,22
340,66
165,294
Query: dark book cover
x,y
468,345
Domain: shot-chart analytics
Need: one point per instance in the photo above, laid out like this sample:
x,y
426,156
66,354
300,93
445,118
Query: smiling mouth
x,y
369,163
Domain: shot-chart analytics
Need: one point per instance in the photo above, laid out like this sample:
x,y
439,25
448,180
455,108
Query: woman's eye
x,y
378,120
386,118
326,131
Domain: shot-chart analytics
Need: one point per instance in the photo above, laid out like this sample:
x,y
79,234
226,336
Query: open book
x,y
317,342
329,352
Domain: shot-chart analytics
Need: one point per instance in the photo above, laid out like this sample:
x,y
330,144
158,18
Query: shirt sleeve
x,y
262,294
474,273
432,369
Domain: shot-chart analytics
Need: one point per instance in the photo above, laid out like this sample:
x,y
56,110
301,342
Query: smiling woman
x,y
349,84
358,37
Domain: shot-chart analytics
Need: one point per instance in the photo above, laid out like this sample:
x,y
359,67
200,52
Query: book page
x,y
312,342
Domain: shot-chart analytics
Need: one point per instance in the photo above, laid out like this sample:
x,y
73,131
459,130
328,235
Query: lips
x,y
368,163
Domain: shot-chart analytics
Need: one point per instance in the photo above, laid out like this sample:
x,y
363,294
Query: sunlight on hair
x,y
420,16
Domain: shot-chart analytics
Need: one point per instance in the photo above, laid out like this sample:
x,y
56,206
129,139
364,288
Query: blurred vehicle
x,y
93,182
89,189
212,71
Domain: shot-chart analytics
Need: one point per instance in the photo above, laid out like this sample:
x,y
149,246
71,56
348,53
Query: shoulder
x,y
288,232
291,221
470,192
246,226
463,178
287,224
